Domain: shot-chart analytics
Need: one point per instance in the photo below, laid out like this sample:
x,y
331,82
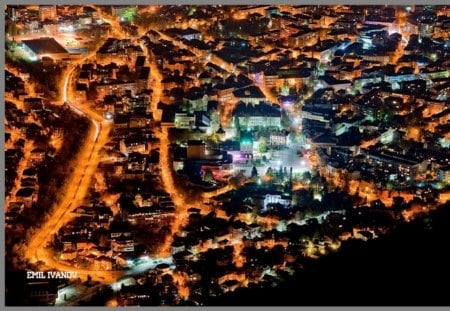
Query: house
x,y
37,155
69,254
444,174
133,143
396,164
191,34
81,90
103,263
224,93
250,116
174,81
28,196
276,198
184,120
32,104
42,292
278,138
121,238
246,142
335,84
199,150
250,95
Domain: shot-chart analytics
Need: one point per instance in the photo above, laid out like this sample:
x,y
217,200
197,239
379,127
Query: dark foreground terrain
x,y
410,266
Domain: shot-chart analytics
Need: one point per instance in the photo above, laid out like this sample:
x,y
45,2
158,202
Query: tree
x,y
254,172
304,89
390,186
11,28
103,240
306,175
234,183
215,120
236,124
262,147
302,198
280,172
208,177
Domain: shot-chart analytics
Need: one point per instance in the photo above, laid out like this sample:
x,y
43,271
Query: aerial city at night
x,y
186,155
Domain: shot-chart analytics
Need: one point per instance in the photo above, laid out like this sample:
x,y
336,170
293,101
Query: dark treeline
x,y
52,176
405,268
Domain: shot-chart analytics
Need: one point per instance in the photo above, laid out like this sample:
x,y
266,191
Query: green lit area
x,y
246,141
128,14
192,10
445,143
17,52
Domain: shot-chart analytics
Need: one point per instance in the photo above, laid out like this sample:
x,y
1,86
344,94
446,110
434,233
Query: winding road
x,y
75,191
74,194
79,181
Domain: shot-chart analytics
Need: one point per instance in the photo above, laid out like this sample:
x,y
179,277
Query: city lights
x,y
171,155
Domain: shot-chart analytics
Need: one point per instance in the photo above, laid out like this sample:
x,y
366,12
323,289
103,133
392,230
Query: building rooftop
x,y
263,110
249,92
44,45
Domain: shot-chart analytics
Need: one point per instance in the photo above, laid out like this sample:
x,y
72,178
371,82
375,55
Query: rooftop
x,y
44,45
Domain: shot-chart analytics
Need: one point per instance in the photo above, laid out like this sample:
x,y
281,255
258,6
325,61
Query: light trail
x,y
75,191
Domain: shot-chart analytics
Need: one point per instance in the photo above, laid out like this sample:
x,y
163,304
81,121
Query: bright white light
x,y
318,196
445,143
302,162
109,115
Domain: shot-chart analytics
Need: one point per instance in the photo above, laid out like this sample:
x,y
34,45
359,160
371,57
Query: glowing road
x,y
75,191
79,182
77,187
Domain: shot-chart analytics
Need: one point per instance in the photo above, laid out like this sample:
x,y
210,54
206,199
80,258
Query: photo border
x,y
168,2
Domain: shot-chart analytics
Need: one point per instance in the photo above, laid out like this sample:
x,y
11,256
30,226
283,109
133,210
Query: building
x,y
28,196
198,149
263,115
250,95
133,143
278,138
191,34
184,120
47,12
44,46
42,291
393,165
335,84
121,238
116,87
124,11
246,142
276,198
444,174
